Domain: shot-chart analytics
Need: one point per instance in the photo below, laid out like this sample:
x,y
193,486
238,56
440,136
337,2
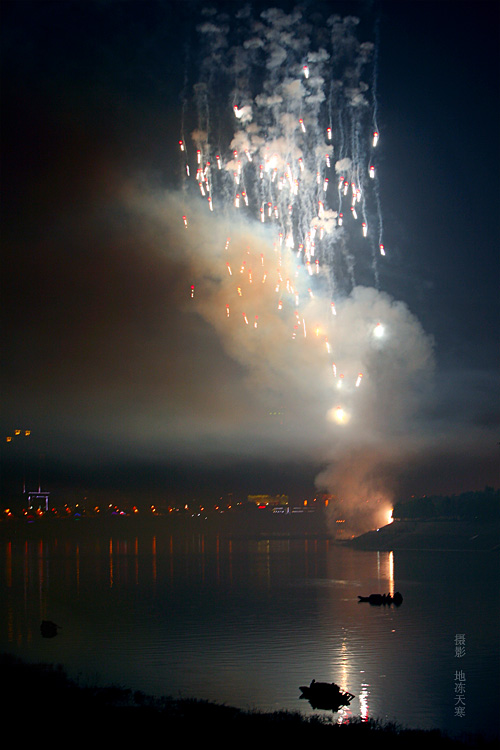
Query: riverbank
x,y
443,534
431,535
52,706
246,523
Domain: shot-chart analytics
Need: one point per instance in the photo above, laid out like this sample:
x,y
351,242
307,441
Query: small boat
x,y
48,629
325,695
382,599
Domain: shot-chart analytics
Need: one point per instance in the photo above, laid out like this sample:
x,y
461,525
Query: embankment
x,y
431,535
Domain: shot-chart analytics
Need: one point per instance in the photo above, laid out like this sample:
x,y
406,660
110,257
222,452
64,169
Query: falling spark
x,y
279,174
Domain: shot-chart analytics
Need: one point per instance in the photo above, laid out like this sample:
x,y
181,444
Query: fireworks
x,y
296,161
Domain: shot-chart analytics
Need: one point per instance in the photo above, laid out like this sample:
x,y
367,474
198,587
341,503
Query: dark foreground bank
x,y
473,536
41,702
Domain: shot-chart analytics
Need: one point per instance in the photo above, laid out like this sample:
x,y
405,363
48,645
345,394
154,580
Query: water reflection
x,y
49,569
363,701
246,622
345,712
385,572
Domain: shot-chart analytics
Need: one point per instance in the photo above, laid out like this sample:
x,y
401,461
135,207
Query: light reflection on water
x,y
245,622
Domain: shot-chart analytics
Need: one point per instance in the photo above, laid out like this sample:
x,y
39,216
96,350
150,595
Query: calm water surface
x,y
245,622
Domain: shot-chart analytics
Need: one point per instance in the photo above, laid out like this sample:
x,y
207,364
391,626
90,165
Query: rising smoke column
x,y
281,213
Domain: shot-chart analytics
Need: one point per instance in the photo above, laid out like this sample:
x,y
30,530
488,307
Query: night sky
x,y
128,389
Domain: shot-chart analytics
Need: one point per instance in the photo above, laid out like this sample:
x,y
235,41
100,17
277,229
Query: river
x,y
245,622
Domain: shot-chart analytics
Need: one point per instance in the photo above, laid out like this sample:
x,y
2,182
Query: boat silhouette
x,y
382,599
325,695
48,629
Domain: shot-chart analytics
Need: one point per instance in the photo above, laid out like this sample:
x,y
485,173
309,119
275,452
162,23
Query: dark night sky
x,y
121,385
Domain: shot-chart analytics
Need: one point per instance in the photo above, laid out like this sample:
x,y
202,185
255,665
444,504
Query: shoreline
x,y
68,709
422,535
431,536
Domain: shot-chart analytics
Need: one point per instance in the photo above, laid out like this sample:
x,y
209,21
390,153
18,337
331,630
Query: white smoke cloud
x,y
257,327
318,57
343,165
277,56
266,280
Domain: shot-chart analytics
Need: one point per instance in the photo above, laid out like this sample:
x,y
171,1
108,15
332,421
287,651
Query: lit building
x,y
268,501
38,500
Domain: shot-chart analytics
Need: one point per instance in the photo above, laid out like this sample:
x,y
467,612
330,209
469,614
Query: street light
x,y
21,433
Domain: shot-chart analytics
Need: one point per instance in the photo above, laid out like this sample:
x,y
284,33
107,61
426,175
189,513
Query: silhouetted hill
x,y
468,506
